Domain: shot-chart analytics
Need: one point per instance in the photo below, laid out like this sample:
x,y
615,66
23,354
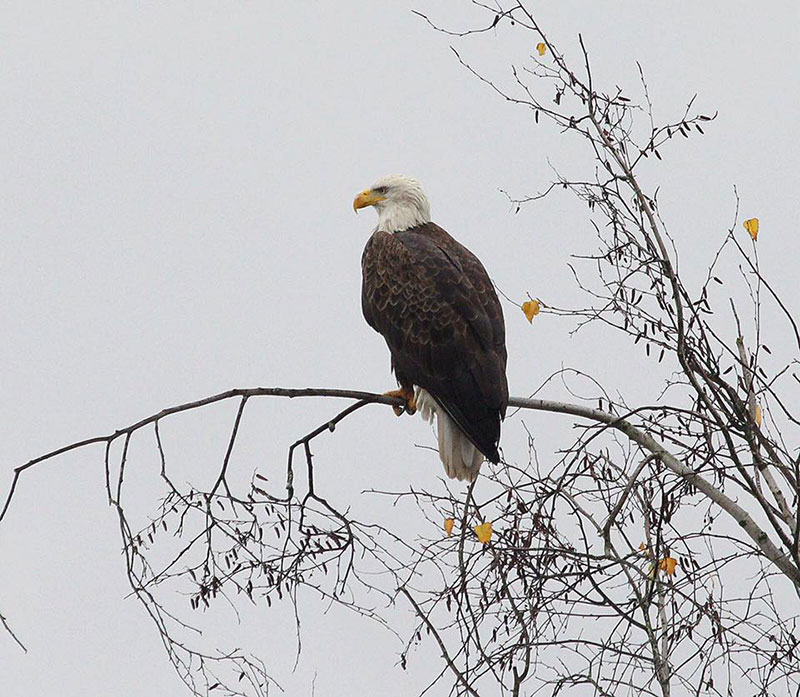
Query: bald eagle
x,y
434,303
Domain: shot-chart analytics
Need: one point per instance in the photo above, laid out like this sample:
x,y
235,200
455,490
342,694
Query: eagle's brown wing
x,y
433,302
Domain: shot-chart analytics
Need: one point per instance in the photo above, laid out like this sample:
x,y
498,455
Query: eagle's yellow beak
x,y
367,198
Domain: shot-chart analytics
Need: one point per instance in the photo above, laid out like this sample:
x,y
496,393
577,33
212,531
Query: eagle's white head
x,y
400,201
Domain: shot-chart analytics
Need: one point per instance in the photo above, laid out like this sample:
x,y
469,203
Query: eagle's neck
x,y
395,218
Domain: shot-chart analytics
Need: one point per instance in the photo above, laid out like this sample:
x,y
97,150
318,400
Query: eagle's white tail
x,y
461,459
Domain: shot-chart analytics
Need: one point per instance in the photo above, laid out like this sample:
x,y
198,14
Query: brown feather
x,y
435,305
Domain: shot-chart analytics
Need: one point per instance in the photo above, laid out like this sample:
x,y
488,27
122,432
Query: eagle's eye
x,y
381,190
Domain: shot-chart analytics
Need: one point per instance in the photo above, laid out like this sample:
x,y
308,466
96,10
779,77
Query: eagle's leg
x,y
404,393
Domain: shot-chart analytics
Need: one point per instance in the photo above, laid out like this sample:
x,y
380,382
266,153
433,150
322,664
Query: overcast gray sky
x,y
176,218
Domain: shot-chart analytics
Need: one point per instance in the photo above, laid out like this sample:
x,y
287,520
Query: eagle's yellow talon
x,y
405,394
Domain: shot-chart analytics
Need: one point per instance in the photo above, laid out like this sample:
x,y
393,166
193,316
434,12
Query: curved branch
x,y
647,442
369,397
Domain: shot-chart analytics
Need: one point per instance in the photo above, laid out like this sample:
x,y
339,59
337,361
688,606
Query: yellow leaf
x,y
668,564
541,48
751,225
531,309
448,526
644,549
484,532
758,415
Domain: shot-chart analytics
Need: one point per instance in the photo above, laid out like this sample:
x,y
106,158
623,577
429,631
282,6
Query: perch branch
x,y
638,436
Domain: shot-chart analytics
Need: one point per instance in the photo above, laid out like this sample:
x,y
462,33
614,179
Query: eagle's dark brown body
x,y
434,303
